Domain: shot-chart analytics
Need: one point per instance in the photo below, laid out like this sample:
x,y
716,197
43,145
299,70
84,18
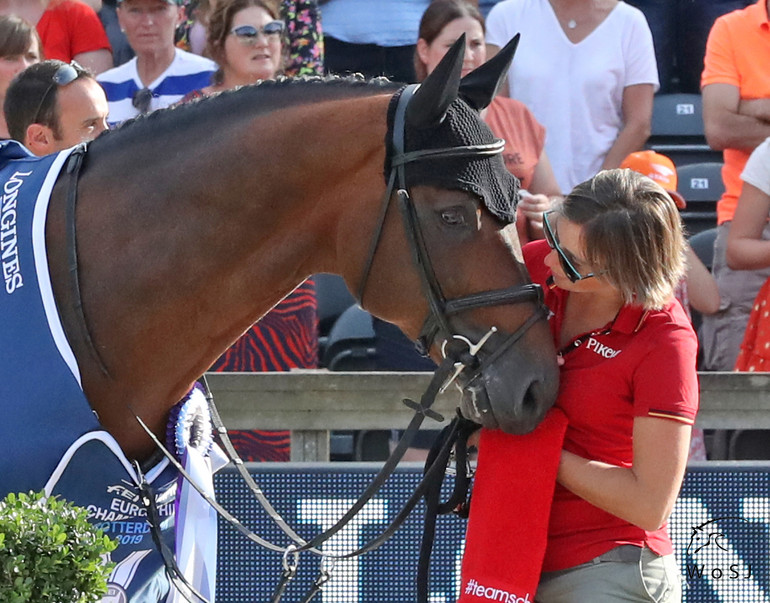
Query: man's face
x,y
149,24
82,112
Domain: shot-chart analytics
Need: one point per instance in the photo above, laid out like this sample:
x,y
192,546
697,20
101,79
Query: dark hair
x,y
435,18
632,232
220,24
16,36
32,98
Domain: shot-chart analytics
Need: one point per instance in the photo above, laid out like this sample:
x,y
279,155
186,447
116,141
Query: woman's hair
x,y
435,18
632,234
16,36
220,24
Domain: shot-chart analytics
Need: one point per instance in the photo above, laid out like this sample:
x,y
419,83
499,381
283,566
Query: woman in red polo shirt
x,y
613,254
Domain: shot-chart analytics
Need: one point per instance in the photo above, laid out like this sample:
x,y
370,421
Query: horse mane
x,y
245,102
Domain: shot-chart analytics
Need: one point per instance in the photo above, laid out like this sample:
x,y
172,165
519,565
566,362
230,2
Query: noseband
x,y
441,310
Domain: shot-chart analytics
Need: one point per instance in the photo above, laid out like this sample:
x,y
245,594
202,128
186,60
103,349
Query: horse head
x,y
457,202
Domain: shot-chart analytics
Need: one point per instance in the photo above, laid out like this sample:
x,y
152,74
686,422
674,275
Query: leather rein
x,y
457,359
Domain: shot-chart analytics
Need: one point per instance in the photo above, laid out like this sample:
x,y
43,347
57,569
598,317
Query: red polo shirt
x,y
642,364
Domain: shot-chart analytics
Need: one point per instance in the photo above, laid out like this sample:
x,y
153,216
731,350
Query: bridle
x,y
460,355
441,310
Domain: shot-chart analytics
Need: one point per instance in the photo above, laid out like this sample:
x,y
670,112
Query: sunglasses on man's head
x,y
248,34
572,273
65,74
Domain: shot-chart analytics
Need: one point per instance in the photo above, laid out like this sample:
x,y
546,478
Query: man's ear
x,y
39,139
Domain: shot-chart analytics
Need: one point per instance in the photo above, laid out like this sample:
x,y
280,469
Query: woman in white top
x,y
587,70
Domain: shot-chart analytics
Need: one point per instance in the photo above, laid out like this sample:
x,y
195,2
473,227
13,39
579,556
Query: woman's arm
x,y
643,494
746,250
538,199
637,119
702,289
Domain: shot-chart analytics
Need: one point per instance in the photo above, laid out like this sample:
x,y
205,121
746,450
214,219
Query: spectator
x,y
19,48
51,106
614,254
736,116
246,38
70,30
373,38
304,39
749,249
160,74
525,157
587,71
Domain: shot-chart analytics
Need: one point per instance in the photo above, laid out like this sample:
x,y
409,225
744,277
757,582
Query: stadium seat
x,y
333,299
701,185
677,129
350,345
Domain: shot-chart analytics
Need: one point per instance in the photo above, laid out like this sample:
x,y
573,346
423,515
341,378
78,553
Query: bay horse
x,y
192,222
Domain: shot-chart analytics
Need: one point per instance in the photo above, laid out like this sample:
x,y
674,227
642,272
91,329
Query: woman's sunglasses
x,y
65,74
248,34
572,273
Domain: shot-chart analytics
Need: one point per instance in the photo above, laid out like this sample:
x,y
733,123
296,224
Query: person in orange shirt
x,y
735,85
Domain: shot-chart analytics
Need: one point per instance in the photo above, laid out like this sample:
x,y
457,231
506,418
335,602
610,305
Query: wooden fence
x,y
313,403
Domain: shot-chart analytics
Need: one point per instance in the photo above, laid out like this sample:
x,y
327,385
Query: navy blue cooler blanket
x,y
49,437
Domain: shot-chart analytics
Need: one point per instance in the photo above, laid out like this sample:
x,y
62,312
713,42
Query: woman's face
x,y
248,59
475,48
569,237
12,64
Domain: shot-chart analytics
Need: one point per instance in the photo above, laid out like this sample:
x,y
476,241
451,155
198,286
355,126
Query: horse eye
x,y
453,216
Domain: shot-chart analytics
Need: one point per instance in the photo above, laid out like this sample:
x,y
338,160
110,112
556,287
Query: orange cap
x,y
658,168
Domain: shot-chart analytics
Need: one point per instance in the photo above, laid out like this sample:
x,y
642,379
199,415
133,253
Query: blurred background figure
x,y
160,74
587,71
69,30
442,24
374,38
247,40
19,48
52,105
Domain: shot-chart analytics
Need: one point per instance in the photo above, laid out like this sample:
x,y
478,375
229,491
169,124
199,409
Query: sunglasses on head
x,y
65,74
248,34
572,273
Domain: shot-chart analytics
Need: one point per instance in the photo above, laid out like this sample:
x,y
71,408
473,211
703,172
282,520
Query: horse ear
x,y
431,101
480,86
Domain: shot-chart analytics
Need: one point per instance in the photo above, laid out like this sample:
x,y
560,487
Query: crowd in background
x,y
578,99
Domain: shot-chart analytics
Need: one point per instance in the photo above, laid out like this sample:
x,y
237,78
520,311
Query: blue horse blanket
x,y
49,437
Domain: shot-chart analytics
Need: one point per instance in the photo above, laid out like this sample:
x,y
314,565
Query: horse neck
x,y
250,215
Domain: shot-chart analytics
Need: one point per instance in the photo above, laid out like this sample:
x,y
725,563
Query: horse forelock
x,y
248,101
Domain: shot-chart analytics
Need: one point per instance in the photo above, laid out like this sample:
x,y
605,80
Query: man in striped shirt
x,y
160,74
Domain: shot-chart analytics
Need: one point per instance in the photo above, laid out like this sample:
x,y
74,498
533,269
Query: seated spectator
x,y
247,39
19,48
69,29
441,25
160,74
371,38
304,39
747,249
51,106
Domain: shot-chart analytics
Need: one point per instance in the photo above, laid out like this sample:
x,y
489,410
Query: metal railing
x,y
313,403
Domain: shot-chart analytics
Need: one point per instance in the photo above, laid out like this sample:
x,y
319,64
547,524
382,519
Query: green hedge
x,y
50,553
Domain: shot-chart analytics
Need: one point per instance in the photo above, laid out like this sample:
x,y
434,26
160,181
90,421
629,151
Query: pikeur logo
x,y
601,349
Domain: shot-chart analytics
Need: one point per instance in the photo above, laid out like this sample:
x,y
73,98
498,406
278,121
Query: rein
x,y
459,355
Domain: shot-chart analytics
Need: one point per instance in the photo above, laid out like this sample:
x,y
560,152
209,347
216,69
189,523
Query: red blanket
x,y
508,523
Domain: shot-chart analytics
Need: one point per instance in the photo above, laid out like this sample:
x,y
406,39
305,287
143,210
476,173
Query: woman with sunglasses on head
x,y
612,257
246,39
20,47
